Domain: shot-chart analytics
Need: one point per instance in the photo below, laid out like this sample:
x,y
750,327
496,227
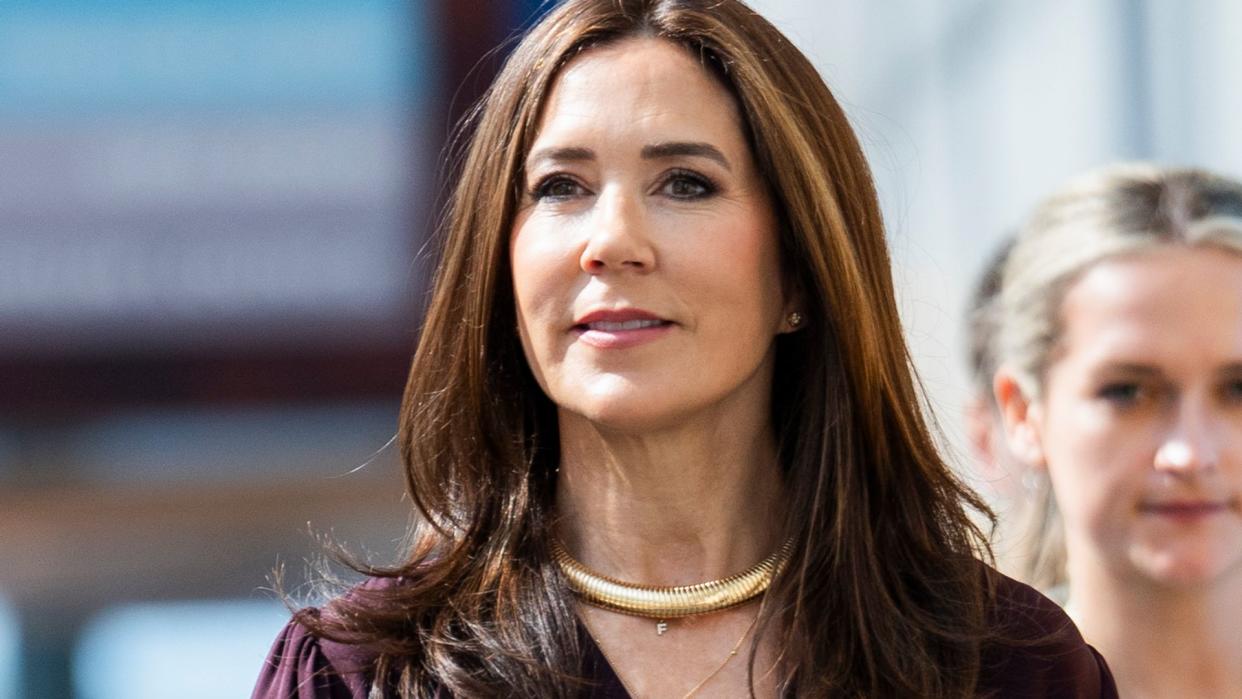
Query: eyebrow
x,y
560,154
675,149
1149,371
657,151
1131,369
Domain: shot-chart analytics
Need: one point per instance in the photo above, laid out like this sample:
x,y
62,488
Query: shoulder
x,y
1037,651
303,665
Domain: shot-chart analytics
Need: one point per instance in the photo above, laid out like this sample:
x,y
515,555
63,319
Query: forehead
x,y
1169,303
639,85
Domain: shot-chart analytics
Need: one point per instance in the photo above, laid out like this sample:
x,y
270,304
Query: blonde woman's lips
x,y
1187,510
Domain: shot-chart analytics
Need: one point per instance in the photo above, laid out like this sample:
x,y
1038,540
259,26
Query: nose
x,y
1191,444
619,237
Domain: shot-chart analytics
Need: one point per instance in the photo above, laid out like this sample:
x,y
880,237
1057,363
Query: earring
x,y
794,319
1032,481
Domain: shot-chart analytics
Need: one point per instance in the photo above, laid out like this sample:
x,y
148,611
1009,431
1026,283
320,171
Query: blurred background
x,y
210,223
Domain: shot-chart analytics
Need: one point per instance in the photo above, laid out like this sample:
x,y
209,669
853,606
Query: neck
x,y
695,502
1161,640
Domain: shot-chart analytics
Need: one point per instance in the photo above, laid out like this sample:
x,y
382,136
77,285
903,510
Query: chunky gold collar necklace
x,y
658,602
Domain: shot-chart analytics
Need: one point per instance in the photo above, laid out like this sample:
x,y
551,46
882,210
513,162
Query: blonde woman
x,y
1120,341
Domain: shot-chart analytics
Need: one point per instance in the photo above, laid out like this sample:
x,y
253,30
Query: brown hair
x,y
883,595
1117,210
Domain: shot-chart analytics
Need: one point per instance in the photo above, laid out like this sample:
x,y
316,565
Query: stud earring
x,y
795,320
1031,481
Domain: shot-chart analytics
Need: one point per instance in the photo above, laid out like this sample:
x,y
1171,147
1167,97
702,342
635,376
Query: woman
x,y
1121,345
663,349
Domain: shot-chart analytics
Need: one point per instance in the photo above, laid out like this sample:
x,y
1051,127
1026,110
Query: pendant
x,y
661,627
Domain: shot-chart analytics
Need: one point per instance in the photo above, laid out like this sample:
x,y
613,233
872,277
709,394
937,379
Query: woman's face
x,y
645,255
1141,421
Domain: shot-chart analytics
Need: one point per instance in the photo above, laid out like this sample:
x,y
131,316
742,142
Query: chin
x,y
1189,568
632,417
620,406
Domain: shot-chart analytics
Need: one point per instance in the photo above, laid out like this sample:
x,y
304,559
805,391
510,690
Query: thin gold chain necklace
x,y
669,602
693,690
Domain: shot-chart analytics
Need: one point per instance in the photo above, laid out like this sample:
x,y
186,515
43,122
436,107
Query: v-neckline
x,y
606,683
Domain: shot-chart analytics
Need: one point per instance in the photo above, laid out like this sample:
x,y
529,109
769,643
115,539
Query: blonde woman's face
x,y
645,255
1141,421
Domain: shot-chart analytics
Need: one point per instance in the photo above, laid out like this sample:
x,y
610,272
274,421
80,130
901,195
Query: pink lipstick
x,y
620,329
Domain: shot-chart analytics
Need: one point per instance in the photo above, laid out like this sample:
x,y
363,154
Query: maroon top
x,y
1064,667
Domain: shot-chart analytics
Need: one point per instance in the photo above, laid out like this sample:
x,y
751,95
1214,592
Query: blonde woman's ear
x,y
1022,416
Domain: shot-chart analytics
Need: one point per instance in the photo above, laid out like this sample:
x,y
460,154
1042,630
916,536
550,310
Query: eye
x,y
1231,390
683,184
1121,393
556,188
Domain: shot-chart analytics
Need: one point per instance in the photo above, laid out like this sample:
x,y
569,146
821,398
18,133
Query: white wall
x,y
970,110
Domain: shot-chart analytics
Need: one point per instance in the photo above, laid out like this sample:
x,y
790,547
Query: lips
x,y
1187,509
620,328
616,326
621,319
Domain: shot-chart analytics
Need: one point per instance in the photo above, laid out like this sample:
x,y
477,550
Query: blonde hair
x,y
1117,210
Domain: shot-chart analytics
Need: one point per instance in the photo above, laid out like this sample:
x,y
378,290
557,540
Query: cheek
x,y
536,267
743,271
532,274
1231,442
1098,467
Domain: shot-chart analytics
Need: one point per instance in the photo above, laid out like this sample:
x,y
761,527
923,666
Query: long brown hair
x,y
883,595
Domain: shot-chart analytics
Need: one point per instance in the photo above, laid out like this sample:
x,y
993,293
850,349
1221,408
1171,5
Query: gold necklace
x,y
661,602
693,690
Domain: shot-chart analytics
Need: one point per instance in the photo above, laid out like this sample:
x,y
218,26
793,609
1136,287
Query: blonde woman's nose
x,y
1190,446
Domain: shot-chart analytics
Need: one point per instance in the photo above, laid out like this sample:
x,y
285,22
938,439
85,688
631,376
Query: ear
x,y
980,421
1023,418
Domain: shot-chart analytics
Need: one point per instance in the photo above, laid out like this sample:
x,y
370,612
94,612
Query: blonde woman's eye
x,y
1232,391
1120,393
